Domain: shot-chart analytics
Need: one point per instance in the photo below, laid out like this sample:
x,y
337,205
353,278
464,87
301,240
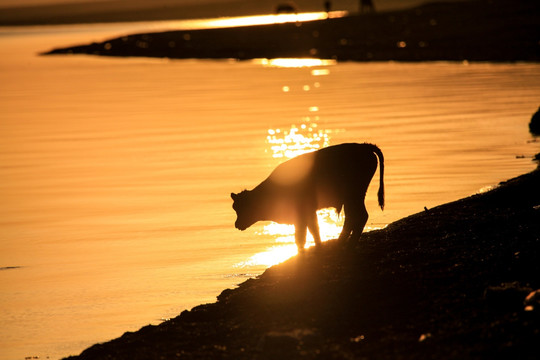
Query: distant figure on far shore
x,y
534,125
366,6
288,7
327,6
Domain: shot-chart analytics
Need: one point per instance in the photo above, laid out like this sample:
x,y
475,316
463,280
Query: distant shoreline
x,y
114,11
482,30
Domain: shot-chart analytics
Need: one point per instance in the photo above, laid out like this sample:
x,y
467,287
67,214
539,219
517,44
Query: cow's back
x,y
342,173
326,178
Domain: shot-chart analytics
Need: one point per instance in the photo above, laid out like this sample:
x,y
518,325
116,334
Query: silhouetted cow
x,y
337,176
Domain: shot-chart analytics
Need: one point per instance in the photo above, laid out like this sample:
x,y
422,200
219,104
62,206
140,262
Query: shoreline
x,y
481,30
453,281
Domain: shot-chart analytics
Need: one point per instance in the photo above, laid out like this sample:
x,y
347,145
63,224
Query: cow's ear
x,y
234,196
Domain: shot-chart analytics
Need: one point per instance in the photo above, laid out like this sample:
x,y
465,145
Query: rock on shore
x,y
474,30
455,281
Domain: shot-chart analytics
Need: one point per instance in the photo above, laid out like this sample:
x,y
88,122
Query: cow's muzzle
x,y
239,226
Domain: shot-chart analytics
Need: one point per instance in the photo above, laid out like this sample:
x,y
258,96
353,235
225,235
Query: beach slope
x,y
477,30
455,281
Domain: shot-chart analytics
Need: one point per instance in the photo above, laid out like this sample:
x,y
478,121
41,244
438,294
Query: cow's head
x,y
245,210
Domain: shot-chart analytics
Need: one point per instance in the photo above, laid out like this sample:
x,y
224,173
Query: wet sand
x,y
450,282
482,30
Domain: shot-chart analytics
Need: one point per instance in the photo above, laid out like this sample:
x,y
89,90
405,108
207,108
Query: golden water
x,y
115,174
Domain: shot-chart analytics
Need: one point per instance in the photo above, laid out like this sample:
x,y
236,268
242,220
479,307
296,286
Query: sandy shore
x,y
455,281
481,30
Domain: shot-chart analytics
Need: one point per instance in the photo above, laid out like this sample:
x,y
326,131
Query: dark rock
x,y
507,295
534,125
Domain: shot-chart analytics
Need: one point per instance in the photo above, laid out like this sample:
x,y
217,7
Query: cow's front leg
x,y
300,236
361,218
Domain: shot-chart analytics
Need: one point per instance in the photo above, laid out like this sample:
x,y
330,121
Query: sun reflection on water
x,y
330,223
297,140
297,63
286,143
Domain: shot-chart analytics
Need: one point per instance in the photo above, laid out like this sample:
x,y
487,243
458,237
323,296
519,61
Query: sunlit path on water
x,y
298,63
284,144
330,223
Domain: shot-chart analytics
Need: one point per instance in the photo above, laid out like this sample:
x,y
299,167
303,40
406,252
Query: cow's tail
x,y
380,194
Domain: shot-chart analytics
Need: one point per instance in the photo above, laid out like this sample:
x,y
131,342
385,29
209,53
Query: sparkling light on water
x,y
296,140
298,63
285,144
330,223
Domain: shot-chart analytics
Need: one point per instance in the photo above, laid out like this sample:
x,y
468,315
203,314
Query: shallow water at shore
x,y
116,173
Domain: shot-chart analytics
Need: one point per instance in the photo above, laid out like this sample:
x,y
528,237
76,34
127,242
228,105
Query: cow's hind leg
x,y
360,219
356,217
313,226
347,226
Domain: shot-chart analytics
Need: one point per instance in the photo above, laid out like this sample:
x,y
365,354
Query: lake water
x,y
116,173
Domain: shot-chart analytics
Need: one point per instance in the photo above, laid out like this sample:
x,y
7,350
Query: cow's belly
x,y
336,195
329,198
